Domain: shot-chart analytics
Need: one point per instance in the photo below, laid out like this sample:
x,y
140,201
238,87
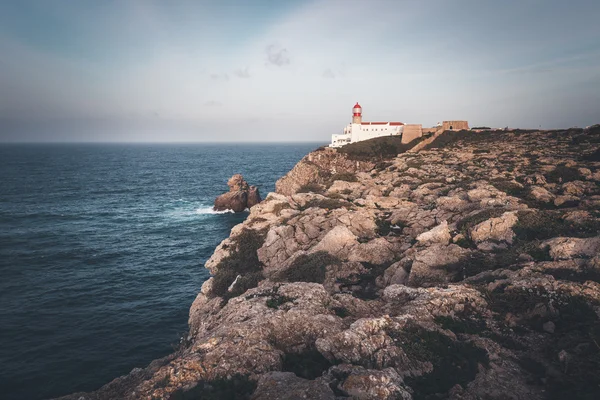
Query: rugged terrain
x,y
469,269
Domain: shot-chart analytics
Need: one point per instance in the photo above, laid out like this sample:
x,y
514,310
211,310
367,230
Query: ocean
x,y
102,249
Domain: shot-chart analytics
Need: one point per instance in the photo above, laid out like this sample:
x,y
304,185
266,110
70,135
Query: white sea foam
x,y
209,210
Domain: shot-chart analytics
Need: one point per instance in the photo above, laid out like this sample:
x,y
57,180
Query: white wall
x,y
359,132
365,132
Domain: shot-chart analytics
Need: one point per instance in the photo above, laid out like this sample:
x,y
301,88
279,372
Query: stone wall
x,y
455,125
411,132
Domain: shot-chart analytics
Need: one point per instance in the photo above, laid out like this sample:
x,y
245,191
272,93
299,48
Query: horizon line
x,y
161,142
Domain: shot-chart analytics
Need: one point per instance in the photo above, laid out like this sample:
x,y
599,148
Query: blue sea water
x,y
102,250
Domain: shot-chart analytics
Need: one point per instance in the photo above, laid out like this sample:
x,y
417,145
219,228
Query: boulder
x,y
439,234
495,229
366,384
435,265
240,196
540,194
565,248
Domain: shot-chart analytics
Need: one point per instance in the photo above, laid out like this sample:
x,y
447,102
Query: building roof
x,y
383,123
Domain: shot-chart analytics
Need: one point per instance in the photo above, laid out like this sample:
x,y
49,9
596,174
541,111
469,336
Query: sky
x,y
279,70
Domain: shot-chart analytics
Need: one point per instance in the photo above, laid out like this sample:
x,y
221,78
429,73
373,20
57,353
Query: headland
x,y
465,266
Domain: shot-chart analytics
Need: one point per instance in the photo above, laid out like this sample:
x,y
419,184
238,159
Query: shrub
x,y
380,148
243,260
464,224
310,364
237,387
327,203
595,156
451,138
511,188
454,362
310,188
542,225
344,176
277,208
562,174
308,268
276,300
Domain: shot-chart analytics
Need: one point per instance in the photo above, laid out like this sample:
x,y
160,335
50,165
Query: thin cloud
x,y
328,73
277,56
219,77
242,73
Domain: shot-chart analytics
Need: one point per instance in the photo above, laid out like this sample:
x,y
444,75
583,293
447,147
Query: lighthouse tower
x,y
356,114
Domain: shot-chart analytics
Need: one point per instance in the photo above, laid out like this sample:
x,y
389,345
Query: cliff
x,y
467,270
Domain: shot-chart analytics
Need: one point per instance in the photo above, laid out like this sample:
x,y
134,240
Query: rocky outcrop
x,y
450,272
317,168
240,197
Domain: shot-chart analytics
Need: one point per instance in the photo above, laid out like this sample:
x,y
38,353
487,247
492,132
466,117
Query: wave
x,y
209,210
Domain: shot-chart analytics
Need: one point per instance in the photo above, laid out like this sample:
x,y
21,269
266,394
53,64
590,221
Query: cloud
x,y
213,103
219,77
328,73
242,73
277,56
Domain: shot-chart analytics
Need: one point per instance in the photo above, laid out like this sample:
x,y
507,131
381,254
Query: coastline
x,y
345,281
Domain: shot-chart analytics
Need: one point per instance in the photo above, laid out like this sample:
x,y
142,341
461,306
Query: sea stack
x,y
240,196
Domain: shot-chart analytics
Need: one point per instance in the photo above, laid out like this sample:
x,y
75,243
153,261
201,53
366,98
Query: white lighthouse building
x,y
359,130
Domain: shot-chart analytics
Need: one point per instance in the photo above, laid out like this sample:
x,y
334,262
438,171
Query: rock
x,y
240,196
253,197
391,304
310,170
366,384
377,251
440,234
565,248
567,201
495,229
287,386
575,188
454,203
540,194
338,242
397,273
436,265
549,327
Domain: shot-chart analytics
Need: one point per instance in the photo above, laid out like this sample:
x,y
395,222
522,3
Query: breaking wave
x,y
209,210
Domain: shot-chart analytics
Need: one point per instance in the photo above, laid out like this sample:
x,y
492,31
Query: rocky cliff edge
x,y
467,270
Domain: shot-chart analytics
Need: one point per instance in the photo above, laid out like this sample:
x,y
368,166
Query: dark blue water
x,y
101,252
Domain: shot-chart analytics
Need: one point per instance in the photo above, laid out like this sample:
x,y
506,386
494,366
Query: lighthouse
x,y
359,130
356,114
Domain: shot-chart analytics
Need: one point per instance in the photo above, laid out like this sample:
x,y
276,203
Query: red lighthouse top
x,y
357,105
357,110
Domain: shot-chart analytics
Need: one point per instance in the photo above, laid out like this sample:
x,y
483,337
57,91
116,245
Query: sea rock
x,y
240,196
